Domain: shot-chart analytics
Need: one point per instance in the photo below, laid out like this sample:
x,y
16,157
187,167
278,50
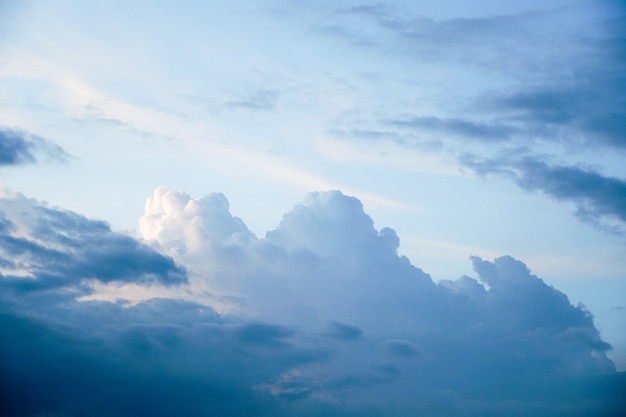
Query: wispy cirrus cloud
x,y
578,88
524,95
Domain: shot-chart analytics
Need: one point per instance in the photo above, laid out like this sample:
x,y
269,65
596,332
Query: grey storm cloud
x,y
18,147
158,368
325,319
43,248
596,196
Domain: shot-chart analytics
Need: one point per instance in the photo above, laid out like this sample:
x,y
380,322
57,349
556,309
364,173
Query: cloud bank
x,y
325,318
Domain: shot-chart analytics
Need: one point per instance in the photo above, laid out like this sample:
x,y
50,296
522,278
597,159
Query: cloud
x,y
511,87
585,113
155,369
572,96
597,197
401,348
262,99
498,42
262,334
329,320
331,223
18,147
326,261
460,127
46,248
181,224
341,331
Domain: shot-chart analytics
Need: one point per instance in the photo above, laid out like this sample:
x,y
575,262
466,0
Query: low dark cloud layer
x,y
160,368
18,147
325,319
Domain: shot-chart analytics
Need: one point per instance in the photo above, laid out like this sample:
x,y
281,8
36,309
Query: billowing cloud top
x,y
328,320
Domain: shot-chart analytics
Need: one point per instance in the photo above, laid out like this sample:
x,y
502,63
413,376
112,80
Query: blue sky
x,y
461,139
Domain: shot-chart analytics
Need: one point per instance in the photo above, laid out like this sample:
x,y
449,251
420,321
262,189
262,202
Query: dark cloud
x,y
575,96
262,334
588,105
460,127
587,113
18,147
401,348
54,249
54,371
548,107
596,196
14,149
502,343
341,331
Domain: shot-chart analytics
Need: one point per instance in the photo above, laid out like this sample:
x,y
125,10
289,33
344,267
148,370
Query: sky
x,y
312,208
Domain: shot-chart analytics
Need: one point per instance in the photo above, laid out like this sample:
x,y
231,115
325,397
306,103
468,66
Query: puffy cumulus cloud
x,y
324,252
327,269
18,147
332,224
180,224
330,320
43,248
